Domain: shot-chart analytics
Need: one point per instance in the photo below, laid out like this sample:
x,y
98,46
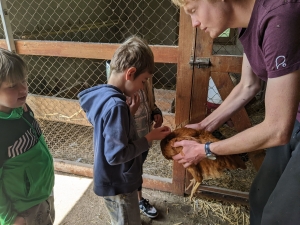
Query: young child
x,y
145,112
117,147
26,166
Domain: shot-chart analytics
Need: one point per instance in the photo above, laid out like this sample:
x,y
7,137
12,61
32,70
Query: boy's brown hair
x,y
12,67
134,52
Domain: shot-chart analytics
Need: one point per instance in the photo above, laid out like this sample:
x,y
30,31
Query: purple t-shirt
x,y
272,39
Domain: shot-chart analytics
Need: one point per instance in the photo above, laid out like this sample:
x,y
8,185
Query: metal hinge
x,y
200,62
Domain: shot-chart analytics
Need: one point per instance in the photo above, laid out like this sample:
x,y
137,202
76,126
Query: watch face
x,y
211,156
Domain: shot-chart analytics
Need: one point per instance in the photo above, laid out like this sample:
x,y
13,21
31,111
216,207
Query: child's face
x,y
12,95
133,85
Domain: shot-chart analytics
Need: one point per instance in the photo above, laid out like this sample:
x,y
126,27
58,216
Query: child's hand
x,y
158,120
19,221
133,103
158,133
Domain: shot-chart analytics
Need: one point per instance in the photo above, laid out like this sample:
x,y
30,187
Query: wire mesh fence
x,y
54,82
107,21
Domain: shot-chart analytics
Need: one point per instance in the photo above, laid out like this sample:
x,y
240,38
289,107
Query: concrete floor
x,y
76,203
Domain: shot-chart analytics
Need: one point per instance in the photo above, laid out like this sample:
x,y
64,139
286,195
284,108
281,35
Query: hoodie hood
x,y
96,100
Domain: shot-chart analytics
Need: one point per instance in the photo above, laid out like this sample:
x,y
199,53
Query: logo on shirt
x,y
280,61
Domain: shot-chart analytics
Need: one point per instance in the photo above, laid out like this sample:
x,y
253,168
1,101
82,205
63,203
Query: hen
x,y
206,168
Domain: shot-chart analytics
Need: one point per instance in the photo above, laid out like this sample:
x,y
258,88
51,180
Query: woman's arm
x,y
281,100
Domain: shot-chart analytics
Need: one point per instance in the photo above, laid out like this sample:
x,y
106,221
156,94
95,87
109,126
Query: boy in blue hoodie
x,y
117,147
26,166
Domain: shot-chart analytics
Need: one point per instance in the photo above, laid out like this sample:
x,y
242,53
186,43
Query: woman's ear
x,y
130,73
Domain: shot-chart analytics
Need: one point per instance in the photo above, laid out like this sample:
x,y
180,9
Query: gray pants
x,y
123,209
41,214
275,191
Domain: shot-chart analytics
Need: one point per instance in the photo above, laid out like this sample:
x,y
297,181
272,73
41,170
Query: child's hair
x,y
12,67
134,52
182,3
179,3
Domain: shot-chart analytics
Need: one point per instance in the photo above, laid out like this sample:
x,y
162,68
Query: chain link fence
x,y
54,82
60,79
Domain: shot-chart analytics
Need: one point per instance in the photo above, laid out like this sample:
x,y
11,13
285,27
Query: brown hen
x,y
206,168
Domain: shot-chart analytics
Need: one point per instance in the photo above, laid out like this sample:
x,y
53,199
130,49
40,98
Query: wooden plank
x,y
178,184
226,63
201,77
184,72
157,183
83,169
162,54
224,85
72,167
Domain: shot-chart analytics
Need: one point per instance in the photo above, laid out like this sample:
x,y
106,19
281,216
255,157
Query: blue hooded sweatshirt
x,y
117,148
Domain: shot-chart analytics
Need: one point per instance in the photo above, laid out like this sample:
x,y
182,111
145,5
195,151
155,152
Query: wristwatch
x,y
209,154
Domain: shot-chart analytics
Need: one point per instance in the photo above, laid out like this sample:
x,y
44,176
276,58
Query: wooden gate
x,y
196,46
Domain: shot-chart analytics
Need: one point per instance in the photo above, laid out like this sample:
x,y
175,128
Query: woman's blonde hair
x,y
179,3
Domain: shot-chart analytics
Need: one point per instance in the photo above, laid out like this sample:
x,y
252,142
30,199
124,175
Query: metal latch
x,y
200,62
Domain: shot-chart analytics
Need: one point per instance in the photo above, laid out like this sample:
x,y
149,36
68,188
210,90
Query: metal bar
x,y
223,194
7,26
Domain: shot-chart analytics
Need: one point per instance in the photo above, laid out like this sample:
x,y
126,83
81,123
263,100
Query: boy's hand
x,y
158,133
19,221
133,102
158,120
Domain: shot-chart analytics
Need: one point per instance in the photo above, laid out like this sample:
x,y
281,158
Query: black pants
x,y
275,191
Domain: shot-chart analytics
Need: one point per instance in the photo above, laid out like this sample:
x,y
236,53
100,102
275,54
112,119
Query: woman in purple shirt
x,y
271,41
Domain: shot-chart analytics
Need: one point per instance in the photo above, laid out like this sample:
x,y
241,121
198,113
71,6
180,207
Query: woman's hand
x,y
192,153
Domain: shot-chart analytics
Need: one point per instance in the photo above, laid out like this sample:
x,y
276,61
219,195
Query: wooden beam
x,y
162,54
226,63
157,183
72,167
184,71
200,77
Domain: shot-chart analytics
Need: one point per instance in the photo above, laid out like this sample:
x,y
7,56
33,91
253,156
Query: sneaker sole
x,y
148,214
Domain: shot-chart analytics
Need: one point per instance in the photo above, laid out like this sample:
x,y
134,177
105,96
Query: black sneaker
x,y
148,209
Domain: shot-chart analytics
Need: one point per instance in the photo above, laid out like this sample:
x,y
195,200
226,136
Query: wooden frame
x,y
191,43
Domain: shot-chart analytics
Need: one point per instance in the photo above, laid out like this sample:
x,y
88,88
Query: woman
x,y
270,36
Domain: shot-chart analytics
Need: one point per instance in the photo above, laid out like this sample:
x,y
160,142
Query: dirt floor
x,y
173,210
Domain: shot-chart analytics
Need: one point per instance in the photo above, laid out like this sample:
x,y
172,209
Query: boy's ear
x,y
130,73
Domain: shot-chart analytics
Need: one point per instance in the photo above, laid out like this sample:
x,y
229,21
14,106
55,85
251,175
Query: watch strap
x,y
207,149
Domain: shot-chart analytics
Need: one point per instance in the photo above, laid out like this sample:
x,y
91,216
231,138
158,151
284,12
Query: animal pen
x,y
66,44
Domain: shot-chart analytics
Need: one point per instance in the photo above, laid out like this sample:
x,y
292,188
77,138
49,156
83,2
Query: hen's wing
x,y
169,151
215,168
